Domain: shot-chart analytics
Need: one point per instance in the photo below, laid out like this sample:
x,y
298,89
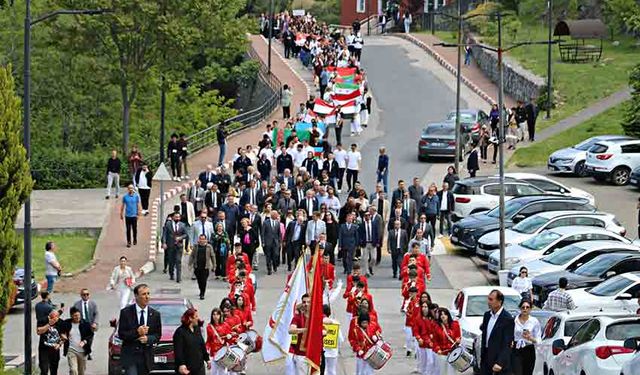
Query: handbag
x,y
223,249
128,281
246,239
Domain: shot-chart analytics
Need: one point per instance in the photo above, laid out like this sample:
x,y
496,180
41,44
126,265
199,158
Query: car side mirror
x,y
609,274
557,346
625,296
518,218
631,343
113,323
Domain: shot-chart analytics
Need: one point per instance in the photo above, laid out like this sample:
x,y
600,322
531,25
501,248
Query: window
x,y
629,265
589,221
571,326
611,287
494,189
631,149
582,260
532,209
551,327
546,185
463,189
578,206
598,148
585,333
361,6
634,290
527,190
556,206
623,330
564,222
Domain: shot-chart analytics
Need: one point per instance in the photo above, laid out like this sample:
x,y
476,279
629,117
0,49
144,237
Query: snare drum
x,y
241,365
230,357
378,355
460,359
249,340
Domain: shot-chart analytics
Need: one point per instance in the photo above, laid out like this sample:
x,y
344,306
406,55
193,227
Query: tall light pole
x,y
458,82
270,35
26,102
549,77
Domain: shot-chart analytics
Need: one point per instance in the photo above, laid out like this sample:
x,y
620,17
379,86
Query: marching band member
x,y
410,309
298,364
218,335
448,337
237,255
423,330
243,284
355,297
331,355
364,335
355,272
244,307
412,282
231,317
422,261
363,308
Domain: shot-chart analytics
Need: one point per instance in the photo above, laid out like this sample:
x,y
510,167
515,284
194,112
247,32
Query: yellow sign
x,y
330,340
294,339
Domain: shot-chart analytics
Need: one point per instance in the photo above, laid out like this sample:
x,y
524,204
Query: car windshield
x,y
477,305
170,313
510,208
585,145
564,255
598,265
438,129
611,287
540,241
464,117
623,330
530,225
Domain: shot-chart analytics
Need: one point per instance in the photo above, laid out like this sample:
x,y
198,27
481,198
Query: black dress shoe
x,y
201,297
135,242
164,271
170,277
128,244
269,272
193,277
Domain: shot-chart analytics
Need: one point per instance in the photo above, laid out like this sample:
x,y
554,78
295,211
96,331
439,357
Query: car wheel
x,y
580,171
422,158
620,176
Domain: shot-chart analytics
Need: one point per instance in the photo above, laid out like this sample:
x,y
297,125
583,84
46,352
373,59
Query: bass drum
x,y
378,355
460,359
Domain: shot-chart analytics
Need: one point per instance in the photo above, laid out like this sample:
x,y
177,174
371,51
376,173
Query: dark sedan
x,y
171,310
589,274
634,179
466,232
437,140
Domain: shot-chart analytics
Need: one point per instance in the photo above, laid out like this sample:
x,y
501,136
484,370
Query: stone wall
x,y
519,83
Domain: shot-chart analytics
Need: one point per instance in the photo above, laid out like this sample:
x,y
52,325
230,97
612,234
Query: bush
x,y
64,169
631,124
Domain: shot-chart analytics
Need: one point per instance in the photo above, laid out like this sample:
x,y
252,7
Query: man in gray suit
x,y
196,197
201,226
415,190
347,241
410,207
88,308
271,240
314,228
397,242
286,203
173,236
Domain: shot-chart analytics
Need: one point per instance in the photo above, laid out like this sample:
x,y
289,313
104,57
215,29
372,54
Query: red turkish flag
x,y
314,324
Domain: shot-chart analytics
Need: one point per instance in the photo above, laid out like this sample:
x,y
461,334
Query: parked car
x,y
634,179
571,257
171,310
437,140
466,232
613,160
18,281
471,120
551,186
535,224
562,325
617,293
589,274
596,347
572,159
469,306
480,194
547,242
632,366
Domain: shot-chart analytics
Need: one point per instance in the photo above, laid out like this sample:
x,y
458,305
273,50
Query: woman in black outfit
x,y
248,238
451,177
190,351
332,233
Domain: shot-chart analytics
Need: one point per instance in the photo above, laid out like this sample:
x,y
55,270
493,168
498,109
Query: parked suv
x,y
613,160
480,194
572,159
551,186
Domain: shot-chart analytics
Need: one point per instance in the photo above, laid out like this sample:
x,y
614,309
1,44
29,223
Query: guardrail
x,y
372,18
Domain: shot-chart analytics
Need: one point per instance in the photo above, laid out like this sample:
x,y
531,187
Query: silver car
x,y
572,159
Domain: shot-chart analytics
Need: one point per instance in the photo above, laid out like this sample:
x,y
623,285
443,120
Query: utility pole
x,y
501,141
270,35
368,17
549,77
458,81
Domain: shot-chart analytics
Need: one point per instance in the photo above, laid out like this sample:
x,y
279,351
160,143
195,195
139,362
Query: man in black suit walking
x,y
348,241
497,337
139,328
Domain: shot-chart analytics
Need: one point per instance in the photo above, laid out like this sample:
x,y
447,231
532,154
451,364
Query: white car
x,y
613,160
547,242
596,347
551,186
562,325
469,307
571,257
632,366
572,159
617,293
535,224
479,194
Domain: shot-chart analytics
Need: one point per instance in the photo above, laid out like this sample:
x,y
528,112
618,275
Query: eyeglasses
x,y
85,294
525,272
525,307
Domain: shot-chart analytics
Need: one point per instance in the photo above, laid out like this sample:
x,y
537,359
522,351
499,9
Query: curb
x,y
445,64
284,61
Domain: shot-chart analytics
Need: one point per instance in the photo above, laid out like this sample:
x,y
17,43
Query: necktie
x,y
273,224
215,200
397,239
85,311
406,205
422,227
348,226
142,317
175,227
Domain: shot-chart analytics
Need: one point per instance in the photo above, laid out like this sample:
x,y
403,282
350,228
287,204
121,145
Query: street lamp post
x,y
26,102
270,35
458,82
550,26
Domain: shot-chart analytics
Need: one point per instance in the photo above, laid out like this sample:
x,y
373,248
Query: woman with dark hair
x,y
231,316
218,335
423,329
244,308
248,238
451,177
527,332
221,248
522,284
448,337
332,233
122,280
189,347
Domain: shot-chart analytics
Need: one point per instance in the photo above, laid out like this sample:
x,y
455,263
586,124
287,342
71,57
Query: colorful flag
x,y
345,79
322,108
276,333
313,336
342,99
345,88
344,72
350,108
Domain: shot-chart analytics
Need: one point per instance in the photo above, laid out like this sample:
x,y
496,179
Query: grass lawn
x,y
74,252
608,122
577,85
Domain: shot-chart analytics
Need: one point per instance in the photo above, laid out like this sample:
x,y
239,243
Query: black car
x,y
466,232
589,274
437,140
18,280
634,179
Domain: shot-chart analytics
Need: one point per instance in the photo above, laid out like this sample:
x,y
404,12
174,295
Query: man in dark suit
x,y
309,204
369,237
415,190
299,193
285,204
174,234
232,215
497,337
331,166
378,221
284,161
250,194
195,194
447,205
348,239
294,239
139,328
286,179
213,200
427,230
207,176
397,242
327,248
271,240
398,193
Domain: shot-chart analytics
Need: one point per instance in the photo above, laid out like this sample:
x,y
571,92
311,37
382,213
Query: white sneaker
x,y
186,177
179,179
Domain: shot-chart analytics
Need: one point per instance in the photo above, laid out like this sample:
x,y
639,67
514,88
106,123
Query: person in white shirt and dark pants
x,y
497,337
353,166
527,333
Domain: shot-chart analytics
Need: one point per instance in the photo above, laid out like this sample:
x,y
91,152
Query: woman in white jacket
x,y
122,280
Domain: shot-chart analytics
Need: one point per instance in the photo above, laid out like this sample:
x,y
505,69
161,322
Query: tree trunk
x,y
126,117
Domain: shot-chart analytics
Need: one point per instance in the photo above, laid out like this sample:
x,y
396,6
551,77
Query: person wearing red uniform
x,y
298,364
363,308
410,308
362,337
419,274
354,298
328,270
353,279
218,334
240,266
237,254
421,260
243,284
423,331
412,282
231,318
448,337
244,307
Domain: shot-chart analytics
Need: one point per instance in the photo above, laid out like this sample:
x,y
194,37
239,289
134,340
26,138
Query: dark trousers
x,y
250,251
202,274
347,259
322,90
221,265
472,173
483,152
357,52
293,253
338,130
132,227
286,112
431,219
144,198
48,361
271,256
531,127
495,152
287,50
524,360
396,260
378,254
445,216
352,177
175,263
340,177
176,169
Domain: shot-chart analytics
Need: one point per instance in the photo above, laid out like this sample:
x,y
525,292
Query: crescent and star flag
x,y
321,107
313,337
345,88
276,333
342,99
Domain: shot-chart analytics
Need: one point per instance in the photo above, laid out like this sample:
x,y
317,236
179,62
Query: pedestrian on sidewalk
x,y
472,161
468,53
173,151
382,173
323,81
78,337
113,173
202,260
142,183
354,160
532,116
130,210
183,145
135,160
173,236
288,41
452,176
521,119
447,205
285,101
222,134
494,119
122,281
383,22
53,269
407,20
483,142
88,308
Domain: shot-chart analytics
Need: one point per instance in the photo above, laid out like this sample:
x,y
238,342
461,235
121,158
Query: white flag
x,y
276,333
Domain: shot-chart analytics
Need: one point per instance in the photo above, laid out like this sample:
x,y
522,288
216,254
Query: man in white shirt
x,y
497,336
340,157
353,165
314,228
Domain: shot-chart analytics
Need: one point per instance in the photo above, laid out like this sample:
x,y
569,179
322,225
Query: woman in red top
x,y
362,337
244,308
448,338
363,308
218,334
423,332
232,318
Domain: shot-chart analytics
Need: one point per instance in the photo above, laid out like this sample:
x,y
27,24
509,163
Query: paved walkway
x,y
113,246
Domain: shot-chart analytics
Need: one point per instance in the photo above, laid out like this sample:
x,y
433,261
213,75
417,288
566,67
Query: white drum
x,y
460,359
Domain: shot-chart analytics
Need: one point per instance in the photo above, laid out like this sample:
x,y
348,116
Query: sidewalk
x,y
113,246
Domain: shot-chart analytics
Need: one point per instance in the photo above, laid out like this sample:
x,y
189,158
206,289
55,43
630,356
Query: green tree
x,y
15,185
631,124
